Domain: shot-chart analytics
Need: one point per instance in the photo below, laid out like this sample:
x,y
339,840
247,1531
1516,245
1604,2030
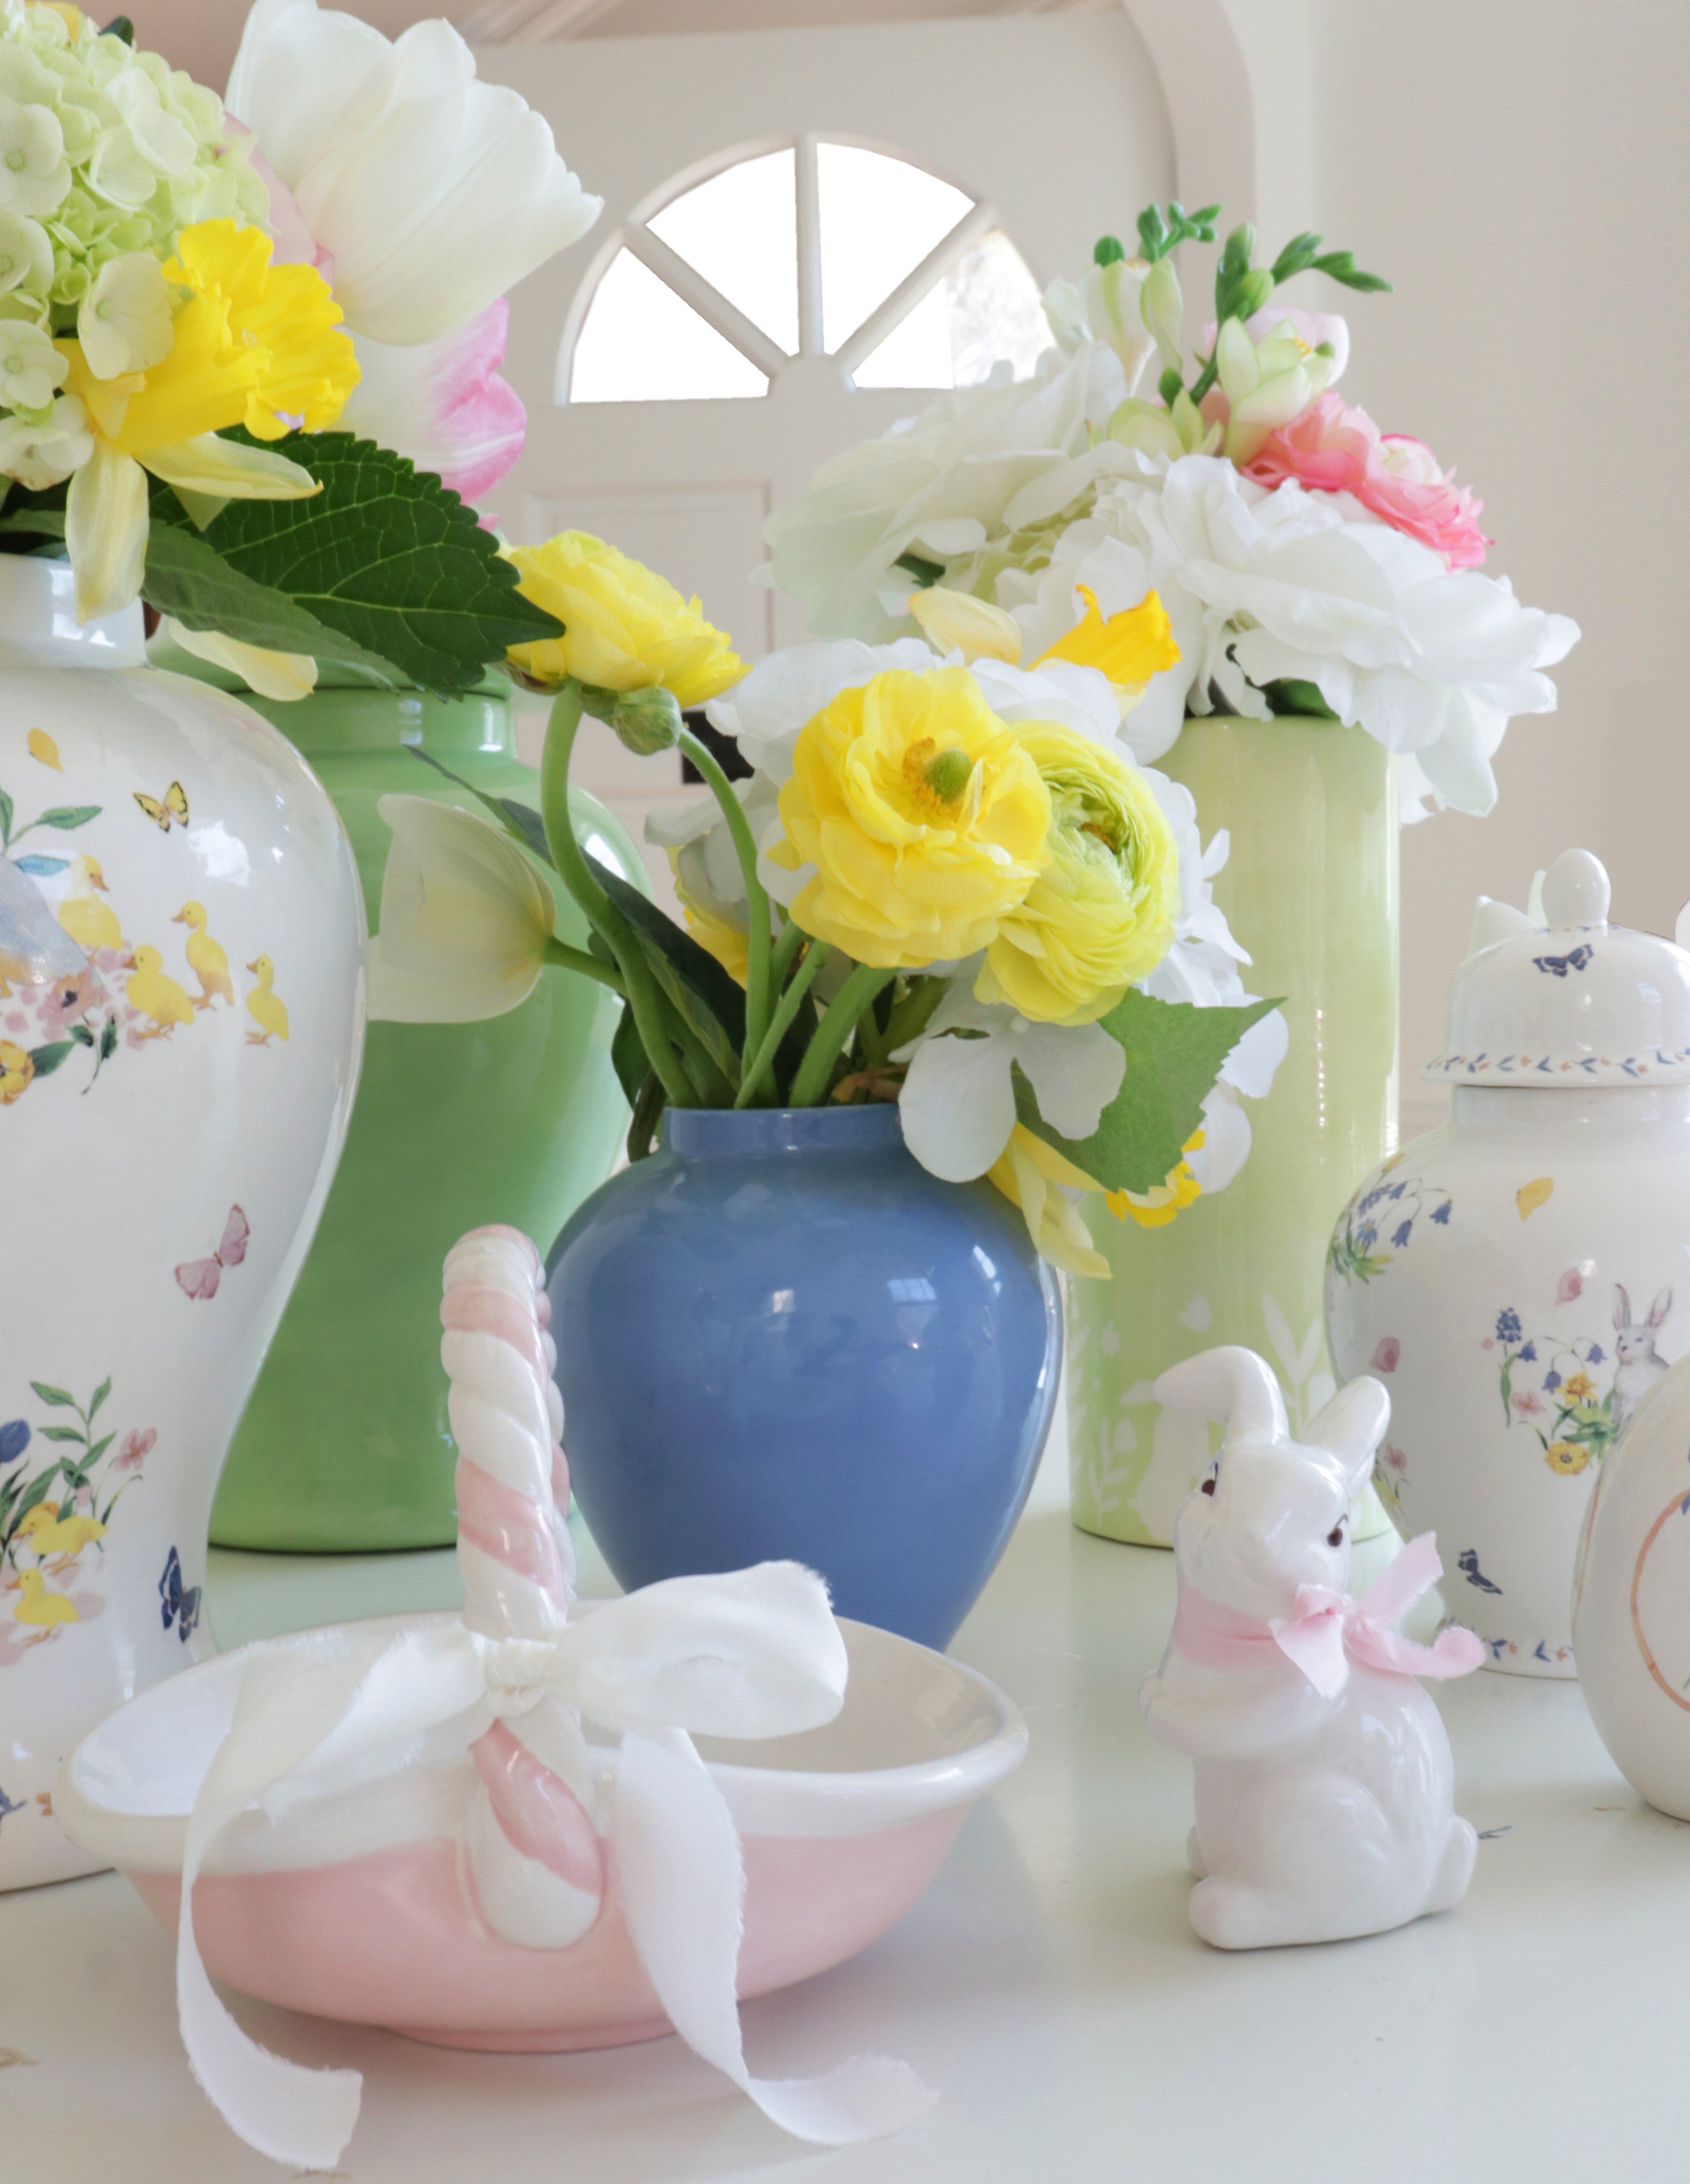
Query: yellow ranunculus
x,y
1129,648
1155,1209
1101,914
923,815
625,628
1028,1172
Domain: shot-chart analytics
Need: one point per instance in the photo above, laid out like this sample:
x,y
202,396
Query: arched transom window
x,y
817,247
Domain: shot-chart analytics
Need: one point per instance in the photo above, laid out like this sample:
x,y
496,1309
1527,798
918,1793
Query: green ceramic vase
x,y
1310,889
345,1445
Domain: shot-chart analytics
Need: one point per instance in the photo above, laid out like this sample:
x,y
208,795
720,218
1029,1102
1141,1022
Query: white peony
x,y
1267,585
969,470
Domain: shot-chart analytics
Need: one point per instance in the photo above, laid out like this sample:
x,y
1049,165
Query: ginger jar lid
x,y
1568,1001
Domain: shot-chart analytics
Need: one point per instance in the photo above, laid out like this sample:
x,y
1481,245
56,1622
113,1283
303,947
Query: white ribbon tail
x,y
298,1702
683,1892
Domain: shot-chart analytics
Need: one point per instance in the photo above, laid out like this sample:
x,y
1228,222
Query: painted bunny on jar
x,y
1324,1782
1640,1363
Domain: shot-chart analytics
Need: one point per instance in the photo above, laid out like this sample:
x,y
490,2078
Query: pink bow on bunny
x,y
1327,1629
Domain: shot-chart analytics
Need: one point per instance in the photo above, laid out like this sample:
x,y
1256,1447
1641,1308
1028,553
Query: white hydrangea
x,y
105,153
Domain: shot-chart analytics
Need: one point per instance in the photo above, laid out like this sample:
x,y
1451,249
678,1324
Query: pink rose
x,y
1388,1355
1334,448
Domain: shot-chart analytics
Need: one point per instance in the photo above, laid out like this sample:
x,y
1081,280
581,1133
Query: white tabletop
x,y
1048,1985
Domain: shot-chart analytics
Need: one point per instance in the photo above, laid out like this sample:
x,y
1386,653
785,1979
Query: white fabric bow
x,y
753,1654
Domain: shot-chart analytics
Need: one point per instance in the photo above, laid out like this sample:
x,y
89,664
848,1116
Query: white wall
x,y
1518,168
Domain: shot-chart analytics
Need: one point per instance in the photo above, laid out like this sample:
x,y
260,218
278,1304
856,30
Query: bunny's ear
x,y
1622,1306
1232,1385
1659,1308
1351,1426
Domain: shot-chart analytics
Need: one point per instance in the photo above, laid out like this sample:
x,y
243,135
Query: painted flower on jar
x,y
1566,1456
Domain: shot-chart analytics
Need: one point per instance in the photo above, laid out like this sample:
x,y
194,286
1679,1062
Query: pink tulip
x,y
444,404
1331,448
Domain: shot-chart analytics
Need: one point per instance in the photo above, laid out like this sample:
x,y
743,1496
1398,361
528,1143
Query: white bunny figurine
x,y
1640,1363
1325,1783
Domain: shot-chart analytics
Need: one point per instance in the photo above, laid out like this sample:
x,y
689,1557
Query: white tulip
x,y
432,193
465,918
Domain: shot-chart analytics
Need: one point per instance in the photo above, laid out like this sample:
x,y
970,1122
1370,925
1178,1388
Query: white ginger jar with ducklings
x,y
1519,1278
180,1023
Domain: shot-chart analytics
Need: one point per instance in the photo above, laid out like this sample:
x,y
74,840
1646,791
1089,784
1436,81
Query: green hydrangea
x,y
105,152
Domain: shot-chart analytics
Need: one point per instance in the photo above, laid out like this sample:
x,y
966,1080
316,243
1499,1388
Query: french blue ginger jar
x,y
780,1337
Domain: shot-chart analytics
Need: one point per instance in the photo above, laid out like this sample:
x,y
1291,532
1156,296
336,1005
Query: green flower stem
x,y
871,1041
762,1060
601,912
792,938
647,1109
914,1012
758,967
565,958
838,1023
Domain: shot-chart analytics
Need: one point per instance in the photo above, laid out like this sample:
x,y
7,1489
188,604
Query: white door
x,y
799,228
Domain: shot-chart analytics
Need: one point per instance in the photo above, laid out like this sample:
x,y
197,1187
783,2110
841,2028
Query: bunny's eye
x,y
1208,1484
1334,1538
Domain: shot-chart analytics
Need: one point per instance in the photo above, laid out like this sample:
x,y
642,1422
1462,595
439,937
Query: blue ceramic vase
x,y
780,1336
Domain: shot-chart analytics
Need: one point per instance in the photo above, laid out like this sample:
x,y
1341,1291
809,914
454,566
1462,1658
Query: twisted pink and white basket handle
x,y
534,1848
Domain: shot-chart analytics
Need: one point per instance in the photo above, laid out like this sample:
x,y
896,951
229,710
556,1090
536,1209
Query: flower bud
x,y
647,721
1163,310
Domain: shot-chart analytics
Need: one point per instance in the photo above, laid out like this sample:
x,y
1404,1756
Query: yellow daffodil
x,y
1579,1389
1101,914
1029,1174
1127,649
956,621
625,627
253,343
1569,1457
727,943
1155,1209
922,814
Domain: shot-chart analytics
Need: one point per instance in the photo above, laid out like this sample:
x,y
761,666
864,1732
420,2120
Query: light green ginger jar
x,y
345,1445
1310,889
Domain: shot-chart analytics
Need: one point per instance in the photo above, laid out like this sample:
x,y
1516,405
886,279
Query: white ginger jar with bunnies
x,y
1520,1278
180,1023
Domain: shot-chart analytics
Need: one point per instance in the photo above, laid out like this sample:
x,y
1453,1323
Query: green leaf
x,y
627,1056
188,578
61,1433
926,573
386,556
1108,250
58,1399
1302,699
109,1039
99,1449
82,1034
1174,1051
98,1397
64,817
696,968
6,809
46,1059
